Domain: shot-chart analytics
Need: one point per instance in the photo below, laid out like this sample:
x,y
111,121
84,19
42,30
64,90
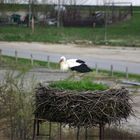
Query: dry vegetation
x,y
83,108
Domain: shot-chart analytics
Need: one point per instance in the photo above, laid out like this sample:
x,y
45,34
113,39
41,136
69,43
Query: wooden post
x,y
16,56
101,132
58,14
33,25
38,127
60,131
111,69
78,129
0,55
34,129
32,60
96,67
86,135
126,70
48,61
50,127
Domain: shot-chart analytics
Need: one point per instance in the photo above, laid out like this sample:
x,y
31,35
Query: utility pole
x,y
30,12
105,16
32,17
58,14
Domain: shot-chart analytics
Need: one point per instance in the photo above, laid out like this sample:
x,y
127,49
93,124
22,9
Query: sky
x,y
95,2
81,2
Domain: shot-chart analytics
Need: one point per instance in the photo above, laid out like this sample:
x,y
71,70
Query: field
x,y
123,34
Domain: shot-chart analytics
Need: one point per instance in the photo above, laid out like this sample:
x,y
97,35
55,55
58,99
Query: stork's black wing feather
x,y
80,61
83,68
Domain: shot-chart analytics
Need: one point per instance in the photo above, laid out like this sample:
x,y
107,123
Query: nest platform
x,y
88,109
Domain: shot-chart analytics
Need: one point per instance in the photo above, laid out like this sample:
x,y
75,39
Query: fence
x,y
48,61
69,15
30,58
118,11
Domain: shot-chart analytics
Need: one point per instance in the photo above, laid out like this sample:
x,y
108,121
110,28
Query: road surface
x,y
104,57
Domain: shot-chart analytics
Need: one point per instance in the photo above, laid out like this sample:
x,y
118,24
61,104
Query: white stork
x,y
74,65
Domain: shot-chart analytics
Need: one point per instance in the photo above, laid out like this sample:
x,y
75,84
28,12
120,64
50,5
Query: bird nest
x,y
86,109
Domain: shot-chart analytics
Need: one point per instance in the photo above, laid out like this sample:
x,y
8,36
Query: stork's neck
x,y
64,66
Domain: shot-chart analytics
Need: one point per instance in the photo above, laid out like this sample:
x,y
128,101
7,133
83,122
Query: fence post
x,y
60,131
96,68
78,129
86,135
0,55
101,132
32,25
48,61
16,56
34,129
126,71
50,128
111,69
32,60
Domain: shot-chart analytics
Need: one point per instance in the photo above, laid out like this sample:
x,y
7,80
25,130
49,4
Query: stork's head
x,y
62,59
63,63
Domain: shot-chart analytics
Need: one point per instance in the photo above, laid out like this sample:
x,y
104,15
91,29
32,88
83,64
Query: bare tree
x,y
1,1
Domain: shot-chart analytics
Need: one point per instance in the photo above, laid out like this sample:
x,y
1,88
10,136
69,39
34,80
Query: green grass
x,y
25,65
82,85
125,33
117,74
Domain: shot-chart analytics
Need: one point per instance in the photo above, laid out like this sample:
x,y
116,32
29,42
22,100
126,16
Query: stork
x,y
75,65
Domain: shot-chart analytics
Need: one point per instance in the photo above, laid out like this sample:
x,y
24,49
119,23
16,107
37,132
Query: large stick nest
x,y
82,108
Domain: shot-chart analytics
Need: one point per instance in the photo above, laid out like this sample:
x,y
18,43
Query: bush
x,y
16,106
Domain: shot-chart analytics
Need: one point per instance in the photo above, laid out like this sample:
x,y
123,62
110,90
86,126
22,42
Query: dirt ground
x,y
131,54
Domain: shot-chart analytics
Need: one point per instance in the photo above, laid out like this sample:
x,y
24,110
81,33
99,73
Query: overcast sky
x,y
93,2
78,2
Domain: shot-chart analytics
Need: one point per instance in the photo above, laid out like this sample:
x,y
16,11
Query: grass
x,y
120,75
125,33
25,65
82,85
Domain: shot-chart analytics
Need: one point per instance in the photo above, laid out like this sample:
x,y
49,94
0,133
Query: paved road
x,y
103,63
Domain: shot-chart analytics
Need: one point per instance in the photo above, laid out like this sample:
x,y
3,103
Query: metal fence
x,y
48,59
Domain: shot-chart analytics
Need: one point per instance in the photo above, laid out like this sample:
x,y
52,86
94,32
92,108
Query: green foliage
x,y
81,85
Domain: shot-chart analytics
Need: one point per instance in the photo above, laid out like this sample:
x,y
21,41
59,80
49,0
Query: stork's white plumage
x,y
74,64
